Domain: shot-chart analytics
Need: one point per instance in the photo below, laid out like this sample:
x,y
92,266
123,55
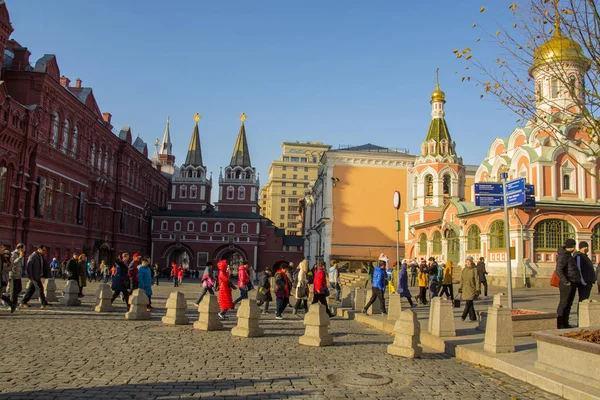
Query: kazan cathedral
x,y
444,221
191,230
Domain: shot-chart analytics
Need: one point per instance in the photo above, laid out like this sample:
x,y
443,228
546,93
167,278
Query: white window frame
x,y
164,226
244,228
177,227
231,227
193,191
190,224
230,193
204,227
183,191
218,227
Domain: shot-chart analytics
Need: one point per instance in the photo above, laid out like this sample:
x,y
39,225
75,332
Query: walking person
x,y
120,279
414,269
587,275
263,295
132,272
243,282
378,288
334,278
301,287
447,287
469,287
320,288
481,273
423,283
432,271
207,281
15,285
104,271
570,278
175,274
82,273
144,276
180,273
225,287
73,269
35,269
282,291
157,273
6,267
54,267
403,290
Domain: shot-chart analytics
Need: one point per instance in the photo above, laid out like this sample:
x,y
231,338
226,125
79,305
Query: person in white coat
x,y
301,293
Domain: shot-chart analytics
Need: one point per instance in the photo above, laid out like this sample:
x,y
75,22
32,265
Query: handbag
x,y
326,291
554,279
302,291
263,290
456,302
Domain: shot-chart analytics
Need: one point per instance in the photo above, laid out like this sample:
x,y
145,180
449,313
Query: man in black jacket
x,y
36,268
585,266
481,275
569,275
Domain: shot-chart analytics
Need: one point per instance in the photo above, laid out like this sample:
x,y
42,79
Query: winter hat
x,y
222,265
583,245
481,258
469,258
569,243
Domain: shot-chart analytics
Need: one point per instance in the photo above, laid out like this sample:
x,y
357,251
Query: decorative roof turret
x,y
241,155
166,147
438,140
194,154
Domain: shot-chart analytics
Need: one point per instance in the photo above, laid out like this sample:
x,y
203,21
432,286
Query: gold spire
x,y
197,117
437,94
243,117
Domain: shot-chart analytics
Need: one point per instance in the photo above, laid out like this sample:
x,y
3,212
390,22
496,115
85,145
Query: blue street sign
x,y
489,201
529,190
514,199
517,185
488,188
529,203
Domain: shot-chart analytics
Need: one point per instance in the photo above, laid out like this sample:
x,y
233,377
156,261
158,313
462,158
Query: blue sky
x,y
339,72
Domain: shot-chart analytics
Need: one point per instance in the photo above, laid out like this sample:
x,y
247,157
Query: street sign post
x,y
397,203
504,177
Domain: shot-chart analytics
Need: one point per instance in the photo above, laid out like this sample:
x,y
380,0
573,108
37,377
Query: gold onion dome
x,y
559,48
437,94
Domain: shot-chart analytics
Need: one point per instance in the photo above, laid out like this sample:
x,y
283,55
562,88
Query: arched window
x,y
566,182
474,238
231,227
74,141
447,183
182,191
428,185
111,166
550,234
573,85
177,226
55,129
93,157
423,244
241,193
100,153
193,191
3,188
190,226
596,238
497,240
105,166
218,227
65,144
203,227
436,243
554,85
244,228
164,226
230,193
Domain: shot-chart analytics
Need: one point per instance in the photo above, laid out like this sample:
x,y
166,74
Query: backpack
x,y
310,277
279,281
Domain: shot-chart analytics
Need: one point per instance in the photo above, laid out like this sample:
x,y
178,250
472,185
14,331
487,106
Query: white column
x,y
582,183
438,195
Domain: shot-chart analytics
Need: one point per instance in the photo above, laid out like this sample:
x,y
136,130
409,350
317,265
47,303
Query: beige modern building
x,y
289,179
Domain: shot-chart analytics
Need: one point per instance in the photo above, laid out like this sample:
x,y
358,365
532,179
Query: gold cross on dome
x,y
197,117
243,117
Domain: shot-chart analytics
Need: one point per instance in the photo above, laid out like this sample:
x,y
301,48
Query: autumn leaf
x,y
482,9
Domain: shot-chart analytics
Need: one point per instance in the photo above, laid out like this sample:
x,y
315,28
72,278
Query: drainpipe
x,y
522,241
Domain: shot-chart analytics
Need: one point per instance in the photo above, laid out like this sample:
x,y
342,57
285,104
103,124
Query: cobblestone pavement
x,y
74,353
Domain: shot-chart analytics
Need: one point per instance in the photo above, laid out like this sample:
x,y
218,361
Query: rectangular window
x,y
294,184
295,159
283,184
49,199
283,176
282,216
202,259
293,192
305,169
283,200
314,160
293,209
303,159
231,228
305,176
306,185
282,208
291,224
295,168
283,168
286,159
295,176
283,192
282,225
60,202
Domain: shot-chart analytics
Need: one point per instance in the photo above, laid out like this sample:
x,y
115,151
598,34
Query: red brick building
x,y
192,231
67,178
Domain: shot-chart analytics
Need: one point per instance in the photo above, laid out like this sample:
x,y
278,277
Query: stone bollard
x,y
176,306
395,307
209,318
589,313
347,296
50,290
500,299
360,300
499,331
138,301
104,295
70,294
316,322
406,341
441,318
375,307
248,315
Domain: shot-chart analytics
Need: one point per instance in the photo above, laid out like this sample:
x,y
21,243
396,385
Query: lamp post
x,y
397,202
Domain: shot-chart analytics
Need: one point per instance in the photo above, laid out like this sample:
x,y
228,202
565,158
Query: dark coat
x,y
73,270
481,272
587,267
403,283
35,266
120,276
566,269
264,282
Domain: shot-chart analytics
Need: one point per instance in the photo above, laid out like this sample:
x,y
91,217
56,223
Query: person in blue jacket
x,y
145,279
378,287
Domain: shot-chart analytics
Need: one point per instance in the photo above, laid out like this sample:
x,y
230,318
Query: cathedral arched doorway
x,y
180,255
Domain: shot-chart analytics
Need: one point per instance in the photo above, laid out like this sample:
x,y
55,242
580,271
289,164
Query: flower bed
x,y
576,356
525,322
586,336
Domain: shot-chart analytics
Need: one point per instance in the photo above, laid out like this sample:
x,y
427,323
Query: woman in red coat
x,y
225,286
320,289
